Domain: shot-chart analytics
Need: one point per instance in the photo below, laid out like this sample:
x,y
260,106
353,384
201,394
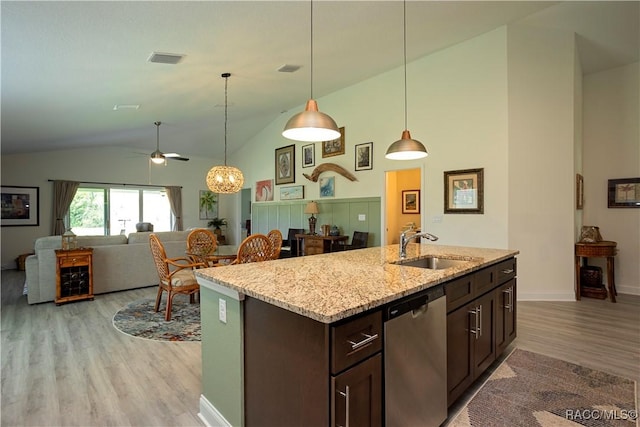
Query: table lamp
x,y
312,208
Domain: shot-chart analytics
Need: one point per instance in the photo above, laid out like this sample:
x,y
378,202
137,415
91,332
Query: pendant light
x,y
311,125
225,179
157,157
406,148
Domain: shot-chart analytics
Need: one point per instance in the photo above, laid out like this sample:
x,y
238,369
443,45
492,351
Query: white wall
x,y
457,107
112,165
612,150
541,160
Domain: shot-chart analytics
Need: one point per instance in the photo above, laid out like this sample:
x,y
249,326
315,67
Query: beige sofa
x,y
119,262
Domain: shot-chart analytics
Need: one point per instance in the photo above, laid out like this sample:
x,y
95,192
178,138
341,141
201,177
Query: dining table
x,y
222,255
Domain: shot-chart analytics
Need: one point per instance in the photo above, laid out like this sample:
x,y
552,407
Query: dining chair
x,y
254,248
358,241
201,245
275,236
175,274
290,246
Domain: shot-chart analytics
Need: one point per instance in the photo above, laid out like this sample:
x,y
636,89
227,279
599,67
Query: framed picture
x,y
308,155
623,193
208,203
295,192
286,165
335,147
20,206
264,190
411,201
364,156
579,191
464,191
327,186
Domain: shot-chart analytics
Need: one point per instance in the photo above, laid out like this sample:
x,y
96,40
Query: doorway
x,y
397,218
245,213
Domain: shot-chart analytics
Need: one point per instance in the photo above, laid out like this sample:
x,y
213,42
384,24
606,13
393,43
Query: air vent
x,y
165,58
286,68
126,107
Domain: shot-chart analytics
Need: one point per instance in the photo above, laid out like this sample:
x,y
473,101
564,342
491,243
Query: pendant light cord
x,y
311,36
226,83
404,4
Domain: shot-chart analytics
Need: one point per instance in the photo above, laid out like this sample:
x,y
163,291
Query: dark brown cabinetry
x,y
327,374
480,323
74,275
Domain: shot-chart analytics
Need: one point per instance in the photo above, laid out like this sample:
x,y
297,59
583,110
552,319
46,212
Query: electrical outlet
x,y
362,217
222,310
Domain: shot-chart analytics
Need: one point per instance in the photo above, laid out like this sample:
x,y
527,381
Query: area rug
x,y
139,319
529,389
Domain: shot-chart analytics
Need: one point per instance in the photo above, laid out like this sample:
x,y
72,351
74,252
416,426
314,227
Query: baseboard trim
x,y
546,297
630,290
210,416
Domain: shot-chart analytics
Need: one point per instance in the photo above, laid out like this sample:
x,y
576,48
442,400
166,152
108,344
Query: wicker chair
x,y
254,248
275,236
175,274
201,245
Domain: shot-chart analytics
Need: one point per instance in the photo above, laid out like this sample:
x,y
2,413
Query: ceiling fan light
x,y
406,148
157,157
311,125
225,179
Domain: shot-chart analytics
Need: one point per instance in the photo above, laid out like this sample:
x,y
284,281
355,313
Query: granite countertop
x,y
334,286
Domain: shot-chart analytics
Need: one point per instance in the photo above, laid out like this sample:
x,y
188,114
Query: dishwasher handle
x,y
413,302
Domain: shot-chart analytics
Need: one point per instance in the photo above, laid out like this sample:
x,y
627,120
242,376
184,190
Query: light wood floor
x,y
67,366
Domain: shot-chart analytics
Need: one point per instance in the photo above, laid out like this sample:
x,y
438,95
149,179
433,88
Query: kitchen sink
x,y
433,263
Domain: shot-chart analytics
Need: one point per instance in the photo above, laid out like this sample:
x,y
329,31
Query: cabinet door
x,y
505,315
460,341
485,341
357,395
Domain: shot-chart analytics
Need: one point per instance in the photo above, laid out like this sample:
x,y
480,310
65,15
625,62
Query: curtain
x,y
175,201
63,193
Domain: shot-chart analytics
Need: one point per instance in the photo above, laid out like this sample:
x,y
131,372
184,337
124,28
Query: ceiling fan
x,y
158,156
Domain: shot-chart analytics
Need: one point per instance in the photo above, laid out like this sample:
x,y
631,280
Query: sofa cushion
x,y
91,241
164,236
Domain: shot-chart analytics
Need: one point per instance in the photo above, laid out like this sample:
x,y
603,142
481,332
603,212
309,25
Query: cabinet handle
x,y
508,271
368,339
479,328
345,394
511,299
507,305
475,329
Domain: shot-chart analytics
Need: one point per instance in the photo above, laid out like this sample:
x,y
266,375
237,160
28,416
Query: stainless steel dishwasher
x,y
415,360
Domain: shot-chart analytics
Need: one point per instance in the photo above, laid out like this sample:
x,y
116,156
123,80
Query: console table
x,y
604,249
315,244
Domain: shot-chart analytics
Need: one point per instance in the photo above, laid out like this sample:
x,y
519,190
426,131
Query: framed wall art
x,y
622,193
464,191
411,201
264,190
327,186
364,156
334,147
286,165
20,206
208,202
579,191
295,192
308,155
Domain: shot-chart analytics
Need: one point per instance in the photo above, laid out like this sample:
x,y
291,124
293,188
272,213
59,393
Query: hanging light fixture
x,y
311,125
157,157
406,148
225,179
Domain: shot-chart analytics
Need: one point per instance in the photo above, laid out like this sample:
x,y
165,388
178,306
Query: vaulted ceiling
x,y
65,65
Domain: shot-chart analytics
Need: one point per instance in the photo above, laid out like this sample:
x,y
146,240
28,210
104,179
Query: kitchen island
x,y
269,329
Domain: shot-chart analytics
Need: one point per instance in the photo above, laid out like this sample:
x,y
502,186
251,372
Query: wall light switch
x,y
362,217
222,310
436,218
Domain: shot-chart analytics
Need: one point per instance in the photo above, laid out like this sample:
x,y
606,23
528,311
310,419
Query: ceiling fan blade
x,y
175,156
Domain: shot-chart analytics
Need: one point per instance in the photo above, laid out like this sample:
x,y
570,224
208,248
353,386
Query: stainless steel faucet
x,y
404,240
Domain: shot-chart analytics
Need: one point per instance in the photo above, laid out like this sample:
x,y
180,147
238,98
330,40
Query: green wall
x,y
344,213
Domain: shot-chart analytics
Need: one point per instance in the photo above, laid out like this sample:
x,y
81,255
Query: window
x,y
98,210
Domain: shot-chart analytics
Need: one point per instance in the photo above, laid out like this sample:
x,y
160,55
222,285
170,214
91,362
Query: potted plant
x,y
217,223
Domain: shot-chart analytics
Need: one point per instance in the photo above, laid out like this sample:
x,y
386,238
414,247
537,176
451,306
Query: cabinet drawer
x,y
459,291
506,270
355,340
313,243
74,260
485,280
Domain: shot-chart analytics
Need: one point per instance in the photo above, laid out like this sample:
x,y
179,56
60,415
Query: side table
x,y
604,249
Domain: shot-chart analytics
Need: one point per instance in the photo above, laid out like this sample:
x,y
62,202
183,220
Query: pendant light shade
x,y
406,148
225,179
311,125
